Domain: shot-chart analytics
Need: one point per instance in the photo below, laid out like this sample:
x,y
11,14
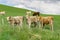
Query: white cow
x,y
18,20
31,19
2,13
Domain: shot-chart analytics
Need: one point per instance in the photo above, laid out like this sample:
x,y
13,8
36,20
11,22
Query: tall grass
x,y
8,32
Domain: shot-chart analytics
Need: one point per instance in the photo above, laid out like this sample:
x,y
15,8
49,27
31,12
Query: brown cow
x,y
46,20
36,13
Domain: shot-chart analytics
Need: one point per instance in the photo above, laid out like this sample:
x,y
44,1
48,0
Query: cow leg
x,y
52,27
21,24
51,24
12,23
35,23
39,24
29,24
42,24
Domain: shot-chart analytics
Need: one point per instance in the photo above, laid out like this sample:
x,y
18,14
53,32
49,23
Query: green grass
x,y
8,32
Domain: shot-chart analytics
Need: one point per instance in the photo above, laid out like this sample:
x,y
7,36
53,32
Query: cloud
x,y
24,7
16,2
20,6
44,6
28,1
50,8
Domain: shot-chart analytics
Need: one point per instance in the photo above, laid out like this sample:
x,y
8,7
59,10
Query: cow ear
x,y
51,17
40,17
10,17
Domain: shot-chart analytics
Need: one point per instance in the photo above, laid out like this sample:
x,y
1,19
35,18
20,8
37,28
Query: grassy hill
x,y
12,10
8,32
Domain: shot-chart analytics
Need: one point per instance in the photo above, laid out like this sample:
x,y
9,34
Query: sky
x,y
43,6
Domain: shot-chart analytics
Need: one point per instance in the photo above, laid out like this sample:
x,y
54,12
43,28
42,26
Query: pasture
x,y
8,32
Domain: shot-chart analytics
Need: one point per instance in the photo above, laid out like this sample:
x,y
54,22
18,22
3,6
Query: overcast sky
x,y
44,6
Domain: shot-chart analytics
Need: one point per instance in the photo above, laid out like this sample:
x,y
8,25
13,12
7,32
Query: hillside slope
x,y
12,10
8,32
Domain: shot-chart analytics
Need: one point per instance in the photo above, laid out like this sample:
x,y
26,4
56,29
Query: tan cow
x,y
31,19
2,13
18,20
46,20
28,12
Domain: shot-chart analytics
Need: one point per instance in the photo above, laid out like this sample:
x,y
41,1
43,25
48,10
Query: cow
x,y
16,20
2,13
28,12
30,20
46,20
36,14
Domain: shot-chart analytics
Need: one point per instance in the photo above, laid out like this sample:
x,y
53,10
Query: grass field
x,y
8,32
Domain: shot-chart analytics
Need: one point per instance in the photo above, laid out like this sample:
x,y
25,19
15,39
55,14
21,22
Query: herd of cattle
x,y
35,18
